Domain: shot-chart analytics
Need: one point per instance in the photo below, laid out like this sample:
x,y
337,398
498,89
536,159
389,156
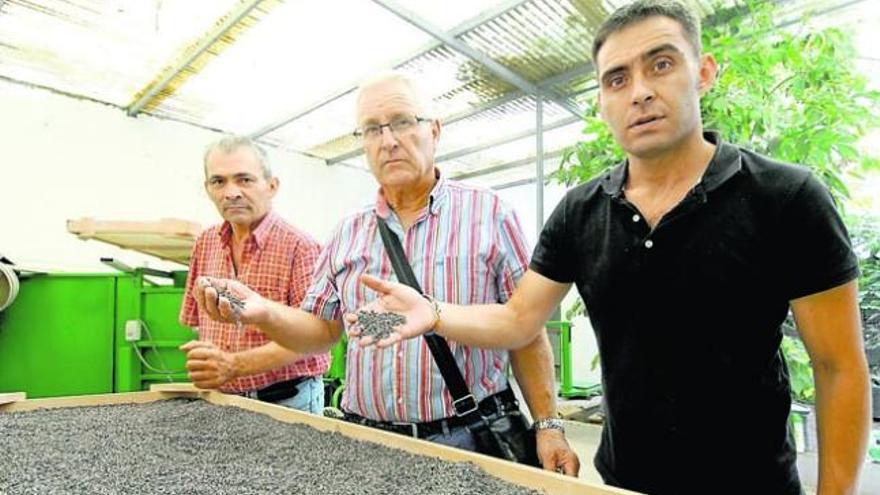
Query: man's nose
x,y
231,191
388,139
642,90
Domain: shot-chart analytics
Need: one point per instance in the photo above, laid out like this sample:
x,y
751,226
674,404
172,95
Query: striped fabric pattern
x,y
278,261
467,247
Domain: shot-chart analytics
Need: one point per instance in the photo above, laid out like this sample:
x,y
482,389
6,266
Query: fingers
x,y
389,341
377,284
571,465
196,344
203,354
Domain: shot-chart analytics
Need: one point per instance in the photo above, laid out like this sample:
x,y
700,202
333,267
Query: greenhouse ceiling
x,y
284,71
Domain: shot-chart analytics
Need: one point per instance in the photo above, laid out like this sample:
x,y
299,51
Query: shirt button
x,y
649,244
400,400
636,218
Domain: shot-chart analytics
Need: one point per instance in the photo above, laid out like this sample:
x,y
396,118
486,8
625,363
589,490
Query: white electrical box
x,y
132,331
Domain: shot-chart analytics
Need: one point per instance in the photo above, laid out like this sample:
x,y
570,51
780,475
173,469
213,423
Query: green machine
x,y
66,333
559,333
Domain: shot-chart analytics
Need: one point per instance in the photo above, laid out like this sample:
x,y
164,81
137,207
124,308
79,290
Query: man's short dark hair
x,y
643,9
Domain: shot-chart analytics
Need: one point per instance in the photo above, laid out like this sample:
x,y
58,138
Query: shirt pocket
x,y
467,279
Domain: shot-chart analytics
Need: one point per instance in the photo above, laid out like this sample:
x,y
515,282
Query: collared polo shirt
x,y
688,318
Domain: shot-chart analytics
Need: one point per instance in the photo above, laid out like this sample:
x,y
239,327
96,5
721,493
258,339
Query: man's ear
x,y
436,128
707,74
274,183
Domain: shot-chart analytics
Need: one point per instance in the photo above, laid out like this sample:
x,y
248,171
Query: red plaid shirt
x,y
277,262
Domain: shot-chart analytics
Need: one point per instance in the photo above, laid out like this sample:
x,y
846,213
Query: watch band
x,y
549,424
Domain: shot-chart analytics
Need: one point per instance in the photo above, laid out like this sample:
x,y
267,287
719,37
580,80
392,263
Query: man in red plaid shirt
x,y
259,249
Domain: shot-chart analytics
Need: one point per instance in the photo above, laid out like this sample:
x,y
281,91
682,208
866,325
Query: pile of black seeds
x,y
234,301
192,447
378,325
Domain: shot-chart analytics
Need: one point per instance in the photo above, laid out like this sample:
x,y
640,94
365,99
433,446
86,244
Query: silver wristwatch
x,y
549,423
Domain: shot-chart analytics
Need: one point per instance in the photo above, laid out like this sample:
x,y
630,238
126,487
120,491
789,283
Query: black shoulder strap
x,y
462,399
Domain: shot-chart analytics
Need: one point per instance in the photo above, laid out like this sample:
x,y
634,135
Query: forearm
x,y
261,359
298,330
843,421
533,369
488,326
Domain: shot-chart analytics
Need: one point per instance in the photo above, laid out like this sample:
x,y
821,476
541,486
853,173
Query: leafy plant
x,y
803,389
795,96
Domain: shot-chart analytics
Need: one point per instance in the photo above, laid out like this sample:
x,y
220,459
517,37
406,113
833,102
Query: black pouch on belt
x,y
281,390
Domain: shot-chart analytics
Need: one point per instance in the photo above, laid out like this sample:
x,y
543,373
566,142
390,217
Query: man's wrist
x,y
435,307
549,424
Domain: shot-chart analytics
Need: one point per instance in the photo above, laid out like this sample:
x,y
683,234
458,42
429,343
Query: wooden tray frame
x,y
546,481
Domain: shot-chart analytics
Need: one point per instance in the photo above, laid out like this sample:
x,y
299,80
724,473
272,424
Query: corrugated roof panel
x,y
104,50
498,123
450,13
324,133
291,57
520,149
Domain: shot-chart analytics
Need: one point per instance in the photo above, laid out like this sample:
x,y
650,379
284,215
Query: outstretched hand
x,y
417,312
228,301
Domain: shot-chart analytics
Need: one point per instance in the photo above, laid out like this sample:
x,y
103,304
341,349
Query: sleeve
x,y
304,259
322,298
552,256
189,310
814,250
513,253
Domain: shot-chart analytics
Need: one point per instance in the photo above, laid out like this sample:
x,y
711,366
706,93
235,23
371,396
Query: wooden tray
x,y
169,238
548,482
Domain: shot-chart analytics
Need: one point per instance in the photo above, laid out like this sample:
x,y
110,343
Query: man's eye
x,y
616,81
403,122
662,65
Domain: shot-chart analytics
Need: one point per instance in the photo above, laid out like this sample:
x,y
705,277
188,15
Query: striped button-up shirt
x,y
277,262
466,247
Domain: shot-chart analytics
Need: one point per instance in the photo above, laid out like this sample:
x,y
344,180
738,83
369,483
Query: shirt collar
x,y
260,234
438,194
725,163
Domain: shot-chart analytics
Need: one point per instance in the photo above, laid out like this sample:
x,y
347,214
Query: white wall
x,y
62,158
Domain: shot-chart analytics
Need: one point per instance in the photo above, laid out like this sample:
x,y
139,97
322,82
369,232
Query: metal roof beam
x,y
505,140
489,63
509,97
506,166
172,71
465,27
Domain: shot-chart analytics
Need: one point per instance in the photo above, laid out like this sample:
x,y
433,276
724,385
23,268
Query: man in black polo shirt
x,y
688,256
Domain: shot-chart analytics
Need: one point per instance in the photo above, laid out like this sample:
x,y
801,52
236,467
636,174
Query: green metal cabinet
x,y
65,334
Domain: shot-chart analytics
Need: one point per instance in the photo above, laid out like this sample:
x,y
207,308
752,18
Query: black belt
x,y
277,391
501,402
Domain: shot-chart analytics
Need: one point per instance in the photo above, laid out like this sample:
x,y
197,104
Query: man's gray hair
x,y
643,9
231,142
423,101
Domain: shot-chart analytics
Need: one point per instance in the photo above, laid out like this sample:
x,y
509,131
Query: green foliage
x,y
865,235
800,370
795,96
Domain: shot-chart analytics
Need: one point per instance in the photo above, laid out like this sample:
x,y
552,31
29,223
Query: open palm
x,y
398,299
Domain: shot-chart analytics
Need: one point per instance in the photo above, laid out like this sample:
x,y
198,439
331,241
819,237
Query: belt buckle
x,y
462,403
414,429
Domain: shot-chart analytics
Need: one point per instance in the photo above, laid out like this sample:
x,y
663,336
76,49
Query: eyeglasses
x,y
397,126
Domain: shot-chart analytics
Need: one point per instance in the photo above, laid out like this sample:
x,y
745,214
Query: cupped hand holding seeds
x,y
229,301
399,313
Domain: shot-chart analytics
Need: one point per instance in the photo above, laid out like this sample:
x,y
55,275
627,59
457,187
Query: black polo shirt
x,y
688,318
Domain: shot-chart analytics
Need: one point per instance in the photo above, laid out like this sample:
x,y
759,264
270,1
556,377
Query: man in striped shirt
x,y
464,245
258,248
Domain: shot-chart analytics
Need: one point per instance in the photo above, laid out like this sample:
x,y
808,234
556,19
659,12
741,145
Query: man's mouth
x,y
645,120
